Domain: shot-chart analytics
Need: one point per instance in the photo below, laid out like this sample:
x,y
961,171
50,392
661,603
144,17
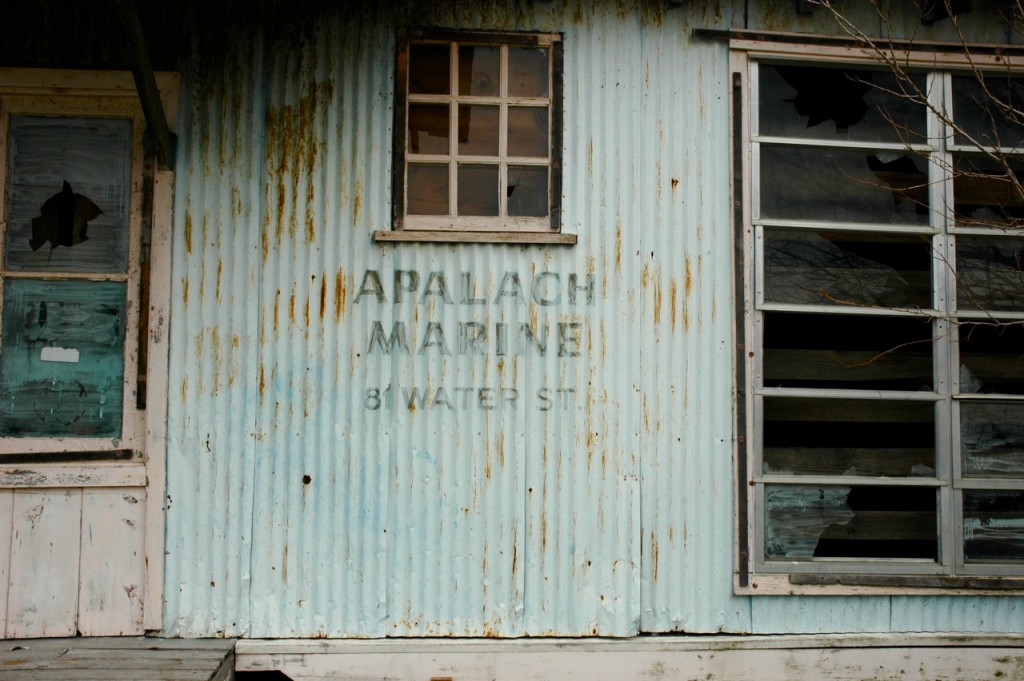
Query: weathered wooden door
x,y
83,273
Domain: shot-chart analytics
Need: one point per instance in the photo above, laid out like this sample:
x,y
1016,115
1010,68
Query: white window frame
x,y
132,419
950,574
453,227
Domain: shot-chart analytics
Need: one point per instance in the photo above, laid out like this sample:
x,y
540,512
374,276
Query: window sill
x,y
927,582
880,585
458,236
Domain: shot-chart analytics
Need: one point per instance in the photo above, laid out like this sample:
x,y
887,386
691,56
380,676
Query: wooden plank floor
x,y
117,659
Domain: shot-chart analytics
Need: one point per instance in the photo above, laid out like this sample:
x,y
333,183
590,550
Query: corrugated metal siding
x,y
320,549
298,509
687,315
982,614
211,415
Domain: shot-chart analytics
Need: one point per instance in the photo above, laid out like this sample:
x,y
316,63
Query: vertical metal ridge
x,y
212,356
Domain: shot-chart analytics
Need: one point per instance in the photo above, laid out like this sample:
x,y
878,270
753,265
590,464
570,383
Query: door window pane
x,y
69,194
61,363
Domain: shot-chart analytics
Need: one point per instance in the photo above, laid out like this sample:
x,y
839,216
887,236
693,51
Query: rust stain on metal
x,y
656,293
323,296
293,144
673,292
357,201
340,295
263,381
220,272
291,307
305,312
618,248
654,558
184,290
218,360
277,307
188,232
184,389
233,364
515,551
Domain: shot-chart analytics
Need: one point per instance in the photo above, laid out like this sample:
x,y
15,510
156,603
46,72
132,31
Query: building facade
x,y
524,320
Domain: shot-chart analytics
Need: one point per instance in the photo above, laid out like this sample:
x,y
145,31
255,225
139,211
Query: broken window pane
x,y
429,129
993,525
847,351
989,273
528,72
850,522
478,130
528,131
991,358
478,190
428,189
992,439
69,194
990,112
527,191
988,192
847,268
849,104
848,437
61,364
843,185
429,72
479,70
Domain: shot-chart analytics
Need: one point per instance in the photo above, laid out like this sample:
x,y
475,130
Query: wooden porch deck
x,y
117,659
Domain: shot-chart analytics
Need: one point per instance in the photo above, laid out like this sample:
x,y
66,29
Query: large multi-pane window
x,y
884,279
478,130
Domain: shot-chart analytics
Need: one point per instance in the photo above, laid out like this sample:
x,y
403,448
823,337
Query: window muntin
x,y
888,377
69,278
478,116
